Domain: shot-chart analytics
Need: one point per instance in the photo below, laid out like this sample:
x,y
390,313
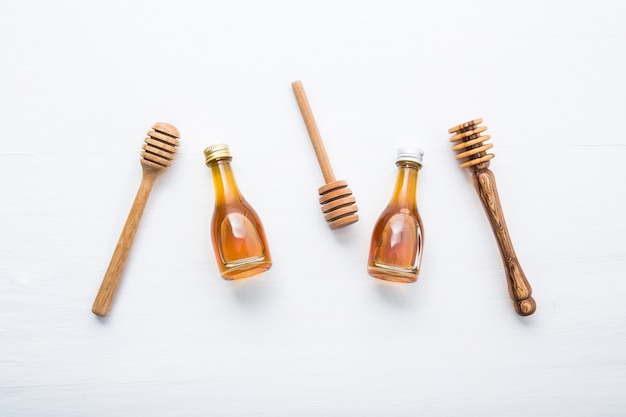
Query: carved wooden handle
x,y
519,288
111,280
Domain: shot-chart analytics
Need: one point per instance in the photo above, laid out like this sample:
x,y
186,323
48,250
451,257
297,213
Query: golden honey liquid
x,y
237,233
398,236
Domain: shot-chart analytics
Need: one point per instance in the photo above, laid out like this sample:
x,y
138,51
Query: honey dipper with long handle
x,y
338,203
472,152
159,150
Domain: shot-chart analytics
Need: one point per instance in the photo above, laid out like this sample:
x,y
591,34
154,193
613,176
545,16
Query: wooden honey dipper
x,y
472,151
159,150
338,203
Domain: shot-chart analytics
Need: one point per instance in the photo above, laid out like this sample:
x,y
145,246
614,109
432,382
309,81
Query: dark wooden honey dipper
x,y
472,152
338,203
159,150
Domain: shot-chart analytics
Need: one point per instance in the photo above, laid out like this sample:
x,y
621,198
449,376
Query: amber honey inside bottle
x,y
398,236
237,234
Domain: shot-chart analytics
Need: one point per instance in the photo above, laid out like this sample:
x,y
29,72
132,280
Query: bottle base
x,y
394,275
245,270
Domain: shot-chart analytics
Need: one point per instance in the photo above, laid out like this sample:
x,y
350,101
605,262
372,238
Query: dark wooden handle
x,y
519,288
104,299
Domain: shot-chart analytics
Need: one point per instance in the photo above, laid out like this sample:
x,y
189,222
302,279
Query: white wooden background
x,y
80,84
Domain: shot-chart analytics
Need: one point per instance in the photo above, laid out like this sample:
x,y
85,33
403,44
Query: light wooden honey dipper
x,y
159,150
338,203
472,152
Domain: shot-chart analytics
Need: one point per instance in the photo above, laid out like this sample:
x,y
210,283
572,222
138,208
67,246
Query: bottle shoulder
x,y
234,204
399,212
403,207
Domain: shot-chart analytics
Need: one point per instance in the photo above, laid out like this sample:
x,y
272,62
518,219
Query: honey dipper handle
x,y
314,133
110,282
519,288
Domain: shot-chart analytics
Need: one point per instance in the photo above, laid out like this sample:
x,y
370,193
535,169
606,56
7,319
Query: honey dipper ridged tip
x,y
166,128
160,146
465,125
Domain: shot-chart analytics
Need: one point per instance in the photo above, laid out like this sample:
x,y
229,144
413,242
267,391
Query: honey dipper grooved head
x,y
160,146
471,150
338,204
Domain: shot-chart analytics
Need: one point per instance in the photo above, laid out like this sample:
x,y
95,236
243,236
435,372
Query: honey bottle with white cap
x,y
238,236
398,236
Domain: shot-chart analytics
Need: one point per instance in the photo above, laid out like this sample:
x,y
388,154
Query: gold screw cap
x,y
215,152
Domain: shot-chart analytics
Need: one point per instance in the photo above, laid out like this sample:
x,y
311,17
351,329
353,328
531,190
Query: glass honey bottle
x,y
398,236
237,234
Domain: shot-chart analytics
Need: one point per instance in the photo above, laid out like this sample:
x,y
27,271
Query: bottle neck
x,y
224,181
405,191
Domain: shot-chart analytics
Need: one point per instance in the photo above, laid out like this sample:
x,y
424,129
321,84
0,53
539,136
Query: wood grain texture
x,y
158,152
472,153
338,204
519,288
315,336
108,288
314,133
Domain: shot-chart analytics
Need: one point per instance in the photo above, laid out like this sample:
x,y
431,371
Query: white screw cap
x,y
410,153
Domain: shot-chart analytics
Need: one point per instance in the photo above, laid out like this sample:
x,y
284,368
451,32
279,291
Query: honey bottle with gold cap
x,y
398,237
237,234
